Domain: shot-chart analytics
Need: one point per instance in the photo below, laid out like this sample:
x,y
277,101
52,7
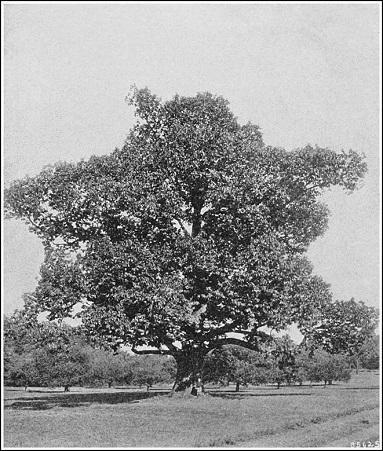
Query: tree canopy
x,y
344,327
43,353
194,229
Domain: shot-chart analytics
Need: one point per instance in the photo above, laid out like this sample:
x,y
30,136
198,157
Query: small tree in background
x,y
43,353
21,371
328,368
235,364
343,328
276,375
302,362
283,352
301,374
369,354
149,370
65,367
105,367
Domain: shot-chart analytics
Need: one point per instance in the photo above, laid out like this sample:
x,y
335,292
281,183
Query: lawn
x,y
122,417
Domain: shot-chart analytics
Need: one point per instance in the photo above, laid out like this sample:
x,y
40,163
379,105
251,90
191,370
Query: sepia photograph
x,y
191,225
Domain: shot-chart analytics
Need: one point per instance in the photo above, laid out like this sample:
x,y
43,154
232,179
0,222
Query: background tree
x,y
194,229
21,370
236,364
43,353
369,354
327,367
283,351
276,375
58,366
149,370
303,360
345,327
106,367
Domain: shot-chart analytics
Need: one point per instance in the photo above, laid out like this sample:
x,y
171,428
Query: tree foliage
x,y
344,327
327,367
283,352
236,364
151,369
193,229
43,353
370,353
107,367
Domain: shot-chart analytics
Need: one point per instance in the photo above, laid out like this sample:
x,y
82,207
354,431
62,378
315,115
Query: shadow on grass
x,y
79,399
241,395
43,391
360,388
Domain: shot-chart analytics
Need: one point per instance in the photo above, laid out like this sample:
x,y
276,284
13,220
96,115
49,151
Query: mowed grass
x,y
132,418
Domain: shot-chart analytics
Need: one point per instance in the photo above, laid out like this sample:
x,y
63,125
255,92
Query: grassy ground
x,y
291,416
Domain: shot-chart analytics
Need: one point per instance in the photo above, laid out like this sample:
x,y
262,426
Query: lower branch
x,y
151,351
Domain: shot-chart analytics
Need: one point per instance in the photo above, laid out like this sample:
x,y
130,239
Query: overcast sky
x,y
303,73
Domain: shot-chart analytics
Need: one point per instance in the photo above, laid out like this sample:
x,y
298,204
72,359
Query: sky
x,y
305,73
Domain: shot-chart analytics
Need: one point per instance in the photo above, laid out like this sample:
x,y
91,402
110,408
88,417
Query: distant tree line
x,y
51,354
47,354
284,363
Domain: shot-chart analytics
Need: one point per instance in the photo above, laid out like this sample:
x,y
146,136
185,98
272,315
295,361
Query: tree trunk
x,y
357,365
147,388
189,368
237,386
110,384
66,387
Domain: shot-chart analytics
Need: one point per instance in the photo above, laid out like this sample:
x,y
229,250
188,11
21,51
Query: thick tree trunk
x,y
237,386
189,369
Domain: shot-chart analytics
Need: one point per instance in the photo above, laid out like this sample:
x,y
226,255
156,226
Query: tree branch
x,y
31,221
221,330
182,227
172,349
151,351
232,328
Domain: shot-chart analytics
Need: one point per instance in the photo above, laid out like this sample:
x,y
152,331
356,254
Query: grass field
x,y
255,417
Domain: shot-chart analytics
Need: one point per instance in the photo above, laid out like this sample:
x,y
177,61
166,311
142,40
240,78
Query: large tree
x,y
194,229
